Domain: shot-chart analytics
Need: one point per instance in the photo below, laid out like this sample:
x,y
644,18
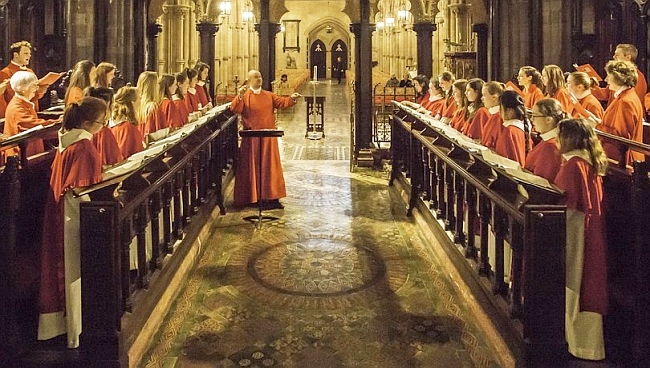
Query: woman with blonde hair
x,y
104,73
544,159
585,104
555,86
624,114
586,249
125,122
149,115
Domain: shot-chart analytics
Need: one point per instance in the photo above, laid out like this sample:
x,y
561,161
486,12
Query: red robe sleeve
x,y
532,95
129,138
106,144
201,96
562,95
75,94
591,104
641,85
477,125
458,122
151,121
450,109
192,101
544,160
436,107
492,130
511,144
77,166
183,111
169,114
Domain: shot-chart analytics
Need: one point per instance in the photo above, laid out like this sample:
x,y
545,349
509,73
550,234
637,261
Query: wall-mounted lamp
x,y
225,7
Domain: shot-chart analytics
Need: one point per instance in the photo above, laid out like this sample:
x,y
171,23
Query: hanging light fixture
x,y
225,7
247,13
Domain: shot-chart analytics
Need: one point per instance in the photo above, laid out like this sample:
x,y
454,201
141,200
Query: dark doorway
x,y
318,59
339,50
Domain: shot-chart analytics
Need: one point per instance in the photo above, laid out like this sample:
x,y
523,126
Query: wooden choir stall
x,y
506,234
138,231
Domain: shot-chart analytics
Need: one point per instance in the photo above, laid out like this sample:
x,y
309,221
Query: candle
x,y
315,73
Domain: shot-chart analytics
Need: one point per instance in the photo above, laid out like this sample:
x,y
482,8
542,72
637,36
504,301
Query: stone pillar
x,y
176,15
461,21
139,34
153,29
267,32
101,25
207,31
536,50
424,31
363,81
494,44
481,31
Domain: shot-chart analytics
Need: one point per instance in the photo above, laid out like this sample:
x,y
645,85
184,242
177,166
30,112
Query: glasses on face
x,y
531,116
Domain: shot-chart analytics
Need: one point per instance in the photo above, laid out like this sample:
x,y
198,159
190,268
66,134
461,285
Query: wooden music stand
x,y
260,134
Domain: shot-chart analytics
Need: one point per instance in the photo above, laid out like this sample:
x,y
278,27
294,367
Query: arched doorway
x,y
317,58
339,50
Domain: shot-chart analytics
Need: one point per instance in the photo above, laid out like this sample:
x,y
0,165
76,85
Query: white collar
x,y
494,109
255,91
620,90
24,99
112,123
514,122
176,98
584,94
68,137
191,90
550,134
583,154
433,98
23,67
200,83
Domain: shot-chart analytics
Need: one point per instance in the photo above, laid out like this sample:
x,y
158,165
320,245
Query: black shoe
x,y
273,204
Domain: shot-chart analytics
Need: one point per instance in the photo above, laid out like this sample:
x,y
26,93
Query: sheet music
x,y
500,161
528,177
26,132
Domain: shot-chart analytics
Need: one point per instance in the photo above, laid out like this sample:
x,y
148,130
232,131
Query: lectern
x,y
260,134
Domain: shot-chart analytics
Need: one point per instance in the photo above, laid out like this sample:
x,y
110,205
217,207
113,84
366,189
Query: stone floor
x,y
341,279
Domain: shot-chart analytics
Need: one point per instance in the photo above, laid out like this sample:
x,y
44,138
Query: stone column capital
x,y
424,28
153,29
207,28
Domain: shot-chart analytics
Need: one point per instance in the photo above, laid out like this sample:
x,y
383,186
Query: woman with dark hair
x,y
76,164
192,98
459,119
624,114
202,85
167,89
182,107
82,77
446,80
436,100
125,122
531,80
555,86
491,94
421,84
104,141
104,73
544,159
477,113
586,249
512,141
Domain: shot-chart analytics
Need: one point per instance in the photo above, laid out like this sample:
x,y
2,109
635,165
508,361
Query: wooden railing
x,y
137,231
383,108
452,184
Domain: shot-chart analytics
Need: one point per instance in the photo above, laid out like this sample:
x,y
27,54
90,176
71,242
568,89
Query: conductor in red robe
x,y
255,106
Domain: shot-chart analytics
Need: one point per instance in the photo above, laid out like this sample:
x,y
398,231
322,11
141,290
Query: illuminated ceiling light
x,y
247,15
380,25
390,21
225,7
402,14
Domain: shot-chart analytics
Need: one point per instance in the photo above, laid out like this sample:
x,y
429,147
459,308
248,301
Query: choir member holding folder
x,y
76,164
544,159
585,105
623,52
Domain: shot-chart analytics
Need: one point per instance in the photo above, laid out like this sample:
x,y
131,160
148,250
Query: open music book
x,y
587,68
500,161
49,78
513,87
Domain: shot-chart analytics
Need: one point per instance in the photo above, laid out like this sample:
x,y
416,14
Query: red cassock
x,y
584,192
449,108
7,73
458,121
128,137
435,106
623,117
202,94
532,95
79,165
192,100
21,115
492,130
478,123
181,107
511,142
75,94
544,159
170,114
563,96
606,94
153,121
106,144
257,113
591,104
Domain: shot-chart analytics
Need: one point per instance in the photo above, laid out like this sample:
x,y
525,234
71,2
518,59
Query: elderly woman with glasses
x,y
544,159
21,114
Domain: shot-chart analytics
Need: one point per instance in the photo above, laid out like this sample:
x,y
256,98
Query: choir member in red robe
x,y
191,99
491,94
623,52
478,114
579,85
83,76
512,141
21,54
555,86
202,85
149,115
104,74
183,84
255,106
624,115
459,118
421,85
531,81
436,101
167,88
76,164
21,113
446,80
104,141
544,159
124,124
586,249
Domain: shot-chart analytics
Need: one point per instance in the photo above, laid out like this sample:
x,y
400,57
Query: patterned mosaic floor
x,y
342,279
